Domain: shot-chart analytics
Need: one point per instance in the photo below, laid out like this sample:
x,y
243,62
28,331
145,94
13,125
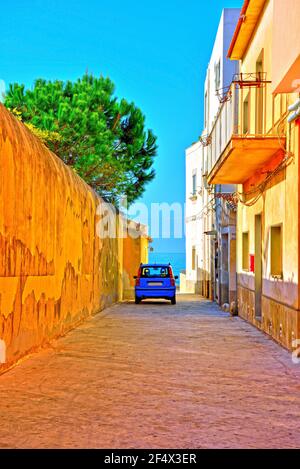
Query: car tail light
x,y
171,277
138,280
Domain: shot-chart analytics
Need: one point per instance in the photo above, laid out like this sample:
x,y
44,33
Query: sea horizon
x,y
176,259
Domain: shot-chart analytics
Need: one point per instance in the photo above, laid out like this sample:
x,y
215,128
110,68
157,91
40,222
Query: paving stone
x,y
155,376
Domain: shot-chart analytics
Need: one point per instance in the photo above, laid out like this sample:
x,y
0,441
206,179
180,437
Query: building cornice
x,y
245,28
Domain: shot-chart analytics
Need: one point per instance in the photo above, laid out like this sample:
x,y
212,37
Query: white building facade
x,y
199,219
210,220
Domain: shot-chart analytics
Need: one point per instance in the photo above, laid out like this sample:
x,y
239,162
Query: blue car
x,y
155,281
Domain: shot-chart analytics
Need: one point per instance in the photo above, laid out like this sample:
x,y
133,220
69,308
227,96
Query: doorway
x,y
258,265
224,275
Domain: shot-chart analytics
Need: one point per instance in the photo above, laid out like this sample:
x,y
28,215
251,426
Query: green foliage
x,y
102,138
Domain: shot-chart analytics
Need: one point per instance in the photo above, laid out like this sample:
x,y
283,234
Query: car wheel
x,y
173,300
137,300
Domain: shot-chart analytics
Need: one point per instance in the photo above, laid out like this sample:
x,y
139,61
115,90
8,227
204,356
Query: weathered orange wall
x,y
54,271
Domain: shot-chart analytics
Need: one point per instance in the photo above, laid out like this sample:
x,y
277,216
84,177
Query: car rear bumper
x,y
166,293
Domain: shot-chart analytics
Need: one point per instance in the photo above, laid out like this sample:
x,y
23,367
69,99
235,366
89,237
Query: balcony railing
x,y
246,114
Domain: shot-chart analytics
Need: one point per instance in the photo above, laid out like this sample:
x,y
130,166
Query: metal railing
x,y
242,113
223,127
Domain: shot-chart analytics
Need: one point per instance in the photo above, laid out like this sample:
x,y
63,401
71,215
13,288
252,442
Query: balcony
x,y
245,135
243,156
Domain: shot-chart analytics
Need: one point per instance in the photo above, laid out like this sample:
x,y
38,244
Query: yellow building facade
x,y
262,158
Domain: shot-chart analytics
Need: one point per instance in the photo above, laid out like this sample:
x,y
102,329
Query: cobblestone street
x,y
155,376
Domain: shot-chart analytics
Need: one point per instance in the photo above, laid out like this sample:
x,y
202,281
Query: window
x,y
193,258
246,115
245,241
194,183
225,252
276,251
218,75
155,272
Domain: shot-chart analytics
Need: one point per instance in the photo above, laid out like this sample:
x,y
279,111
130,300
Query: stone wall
x,y
54,270
279,321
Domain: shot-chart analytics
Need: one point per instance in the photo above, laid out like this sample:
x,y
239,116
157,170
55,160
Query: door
x,y
258,265
224,270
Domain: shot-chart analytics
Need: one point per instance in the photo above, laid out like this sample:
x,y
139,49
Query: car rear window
x,y
155,272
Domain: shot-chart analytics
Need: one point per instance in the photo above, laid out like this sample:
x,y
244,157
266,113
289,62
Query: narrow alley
x,y
154,375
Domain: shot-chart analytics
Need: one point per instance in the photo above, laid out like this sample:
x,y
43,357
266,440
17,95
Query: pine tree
x,y
102,138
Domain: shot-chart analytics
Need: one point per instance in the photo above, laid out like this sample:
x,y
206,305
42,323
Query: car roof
x,y
155,265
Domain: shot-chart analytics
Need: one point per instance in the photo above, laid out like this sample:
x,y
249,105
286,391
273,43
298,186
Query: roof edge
x,y
238,28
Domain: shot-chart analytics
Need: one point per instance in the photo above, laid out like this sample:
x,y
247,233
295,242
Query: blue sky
x,y
155,52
